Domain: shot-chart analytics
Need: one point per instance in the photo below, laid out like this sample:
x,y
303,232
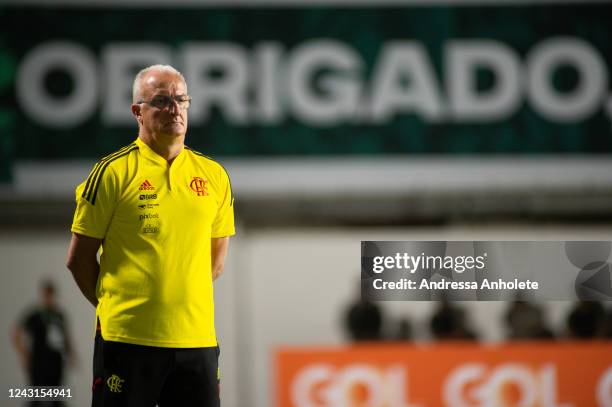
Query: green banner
x,y
314,80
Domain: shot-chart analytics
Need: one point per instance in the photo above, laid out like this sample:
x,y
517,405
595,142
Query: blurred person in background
x,y
606,332
404,330
525,320
586,320
43,343
449,323
163,214
364,321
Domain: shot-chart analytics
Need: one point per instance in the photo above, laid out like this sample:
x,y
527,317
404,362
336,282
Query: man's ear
x,y
136,112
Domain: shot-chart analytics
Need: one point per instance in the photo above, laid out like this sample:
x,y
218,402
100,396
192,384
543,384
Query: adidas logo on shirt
x,y
146,186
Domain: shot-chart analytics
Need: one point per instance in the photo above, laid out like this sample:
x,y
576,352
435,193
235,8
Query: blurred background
x,y
338,121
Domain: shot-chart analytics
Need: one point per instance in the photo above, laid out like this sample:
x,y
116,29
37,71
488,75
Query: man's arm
x,y
83,263
21,347
218,251
73,358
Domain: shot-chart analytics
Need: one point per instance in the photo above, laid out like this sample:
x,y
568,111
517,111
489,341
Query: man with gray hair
x,y
163,214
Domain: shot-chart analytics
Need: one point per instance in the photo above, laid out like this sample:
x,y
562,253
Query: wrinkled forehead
x,y
163,83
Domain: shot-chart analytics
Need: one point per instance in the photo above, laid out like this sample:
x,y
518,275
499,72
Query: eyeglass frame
x,y
168,101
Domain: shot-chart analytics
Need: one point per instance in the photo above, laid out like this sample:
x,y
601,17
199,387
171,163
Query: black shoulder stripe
x,y
227,173
94,173
103,167
89,179
96,169
230,186
93,190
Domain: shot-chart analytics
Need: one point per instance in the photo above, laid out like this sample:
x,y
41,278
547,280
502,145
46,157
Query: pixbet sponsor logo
x,y
149,216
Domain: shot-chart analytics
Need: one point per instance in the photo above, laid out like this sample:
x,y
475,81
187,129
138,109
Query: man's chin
x,y
173,131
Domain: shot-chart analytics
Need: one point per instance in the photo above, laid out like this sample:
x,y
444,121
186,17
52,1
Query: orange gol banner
x,y
529,374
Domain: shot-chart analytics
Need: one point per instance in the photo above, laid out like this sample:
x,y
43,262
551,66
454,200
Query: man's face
x,y
156,118
48,297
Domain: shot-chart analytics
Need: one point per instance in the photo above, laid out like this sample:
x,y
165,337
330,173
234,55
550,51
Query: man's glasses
x,y
163,101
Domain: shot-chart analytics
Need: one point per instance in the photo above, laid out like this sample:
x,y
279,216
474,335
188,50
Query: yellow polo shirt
x,y
156,221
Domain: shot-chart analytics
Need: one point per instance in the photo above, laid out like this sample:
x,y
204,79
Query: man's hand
x,y
22,349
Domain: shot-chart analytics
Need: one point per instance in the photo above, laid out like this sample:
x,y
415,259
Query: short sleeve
x,y
95,202
223,224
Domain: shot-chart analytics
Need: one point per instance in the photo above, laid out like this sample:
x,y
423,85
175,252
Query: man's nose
x,y
174,106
